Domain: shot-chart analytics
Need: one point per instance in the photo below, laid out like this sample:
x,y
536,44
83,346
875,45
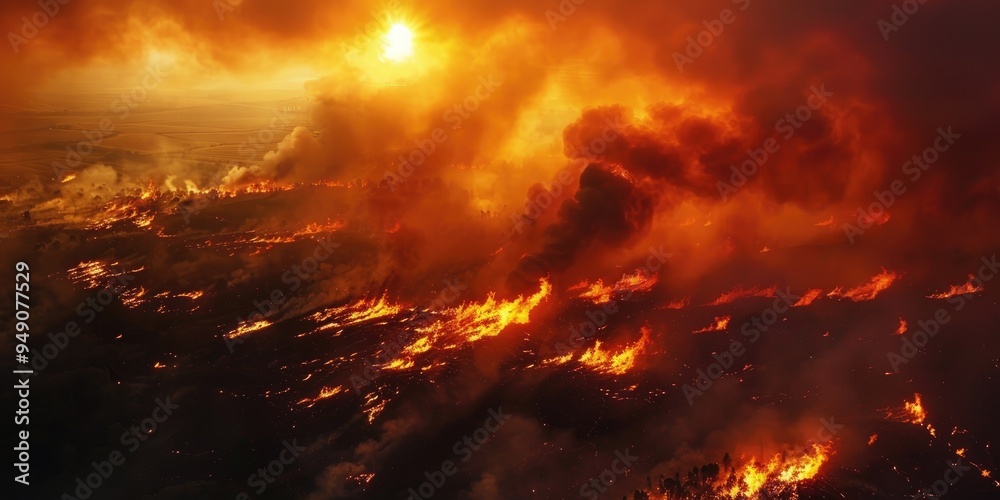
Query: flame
x,y
779,477
596,292
489,318
314,228
912,413
133,298
471,322
324,393
150,193
808,297
826,223
678,304
902,327
872,439
373,409
966,289
720,324
360,311
97,274
599,293
879,283
247,327
603,361
739,292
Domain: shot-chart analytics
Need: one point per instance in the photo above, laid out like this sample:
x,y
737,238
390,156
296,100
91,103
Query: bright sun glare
x,y
398,43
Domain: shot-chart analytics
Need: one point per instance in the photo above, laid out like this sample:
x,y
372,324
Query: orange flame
x,y
603,361
246,327
779,476
966,289
720,324
360,311
678,304
912,413
739,293
599,293
324,393
879,283
471,322
808,297
902,327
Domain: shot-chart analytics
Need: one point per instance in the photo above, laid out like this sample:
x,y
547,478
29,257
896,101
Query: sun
x,y
398,43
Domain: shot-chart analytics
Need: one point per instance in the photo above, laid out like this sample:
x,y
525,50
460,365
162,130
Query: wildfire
x,y
720,324
596,292
96,274
150,193
779,476
808,297
739,293
604,361
489,318
678,304
912,413
314,228
826,223
902,327
247,327
133,298
324,393
599,293
968,288
879,283
362,310
470,322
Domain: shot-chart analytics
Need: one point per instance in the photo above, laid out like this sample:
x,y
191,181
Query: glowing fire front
x,y
780,476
